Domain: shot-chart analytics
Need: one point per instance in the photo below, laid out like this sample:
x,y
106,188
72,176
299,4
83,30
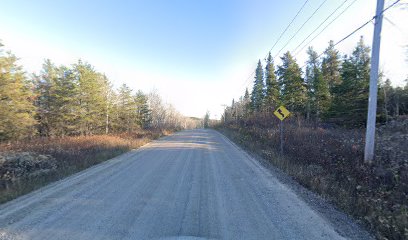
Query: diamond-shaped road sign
x,y
281,113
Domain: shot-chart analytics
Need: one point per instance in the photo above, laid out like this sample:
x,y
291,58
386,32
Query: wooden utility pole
x,y
372,99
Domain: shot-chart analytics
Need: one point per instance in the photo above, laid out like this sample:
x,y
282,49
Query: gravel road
x,y
194,184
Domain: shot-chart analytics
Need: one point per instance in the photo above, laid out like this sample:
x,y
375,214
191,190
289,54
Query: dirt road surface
x,y
194,184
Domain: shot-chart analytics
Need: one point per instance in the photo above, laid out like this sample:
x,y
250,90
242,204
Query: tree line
x,y
333,89
75,100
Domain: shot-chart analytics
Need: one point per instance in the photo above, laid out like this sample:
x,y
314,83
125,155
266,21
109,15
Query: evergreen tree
x,y
247,103
292,85
351,96
47,106
16,108
317,87
143,112
385,92
126,110
107,100
272,94
66,118
91,98
257,95
75,100
404,98
56,100
398,101
331,67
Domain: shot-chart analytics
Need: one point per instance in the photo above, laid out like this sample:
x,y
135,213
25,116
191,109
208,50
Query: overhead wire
x,y
287,27
338,42
341,13
280,36
357,29
330,15
301,27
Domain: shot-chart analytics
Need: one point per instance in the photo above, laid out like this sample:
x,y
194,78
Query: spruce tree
x,y
292,85
331,67
257,95
272,95
317,88
351,96
143,112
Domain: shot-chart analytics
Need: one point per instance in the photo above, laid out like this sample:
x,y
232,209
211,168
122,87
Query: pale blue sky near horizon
x,y
197,54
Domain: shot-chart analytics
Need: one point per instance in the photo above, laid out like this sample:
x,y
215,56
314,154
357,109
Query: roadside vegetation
x,y
324,136
29,164
67,118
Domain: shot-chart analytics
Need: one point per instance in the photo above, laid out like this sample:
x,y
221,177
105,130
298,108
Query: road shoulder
x,y
344,224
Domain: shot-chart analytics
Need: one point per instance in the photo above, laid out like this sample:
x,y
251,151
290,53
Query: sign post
x,y
281,137
281,113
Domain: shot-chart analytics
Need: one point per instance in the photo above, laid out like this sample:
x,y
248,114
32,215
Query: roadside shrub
x,y
329,161
66,155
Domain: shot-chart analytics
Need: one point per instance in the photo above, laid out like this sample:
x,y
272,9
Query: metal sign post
x,y
281,137
281,113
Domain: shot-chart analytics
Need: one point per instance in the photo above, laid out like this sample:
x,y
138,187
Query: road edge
x,y
341,222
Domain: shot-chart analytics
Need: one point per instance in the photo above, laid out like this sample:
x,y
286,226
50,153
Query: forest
x,y
323,138
75,100
67,118
332,90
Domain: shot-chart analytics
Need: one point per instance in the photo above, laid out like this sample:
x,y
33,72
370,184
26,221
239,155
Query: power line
x,y
287,27
279,38
249,77
357,29
341,13
392,5
349,35
300,28
331,14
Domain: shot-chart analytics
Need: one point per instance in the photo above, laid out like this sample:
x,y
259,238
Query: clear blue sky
x,y
197,54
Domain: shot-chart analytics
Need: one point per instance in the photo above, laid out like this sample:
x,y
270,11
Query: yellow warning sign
x,y
281,113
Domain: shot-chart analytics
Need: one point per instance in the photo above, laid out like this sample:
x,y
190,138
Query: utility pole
x,y
372,99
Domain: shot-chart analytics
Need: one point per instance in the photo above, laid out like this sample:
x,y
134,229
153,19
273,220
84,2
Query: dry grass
x,y
72,154
330,162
